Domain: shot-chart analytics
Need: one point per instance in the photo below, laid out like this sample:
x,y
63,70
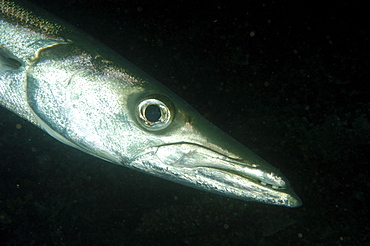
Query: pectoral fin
x,y
8,61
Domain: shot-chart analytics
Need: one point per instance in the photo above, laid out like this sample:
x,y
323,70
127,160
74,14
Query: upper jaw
x,y
202,167
193,155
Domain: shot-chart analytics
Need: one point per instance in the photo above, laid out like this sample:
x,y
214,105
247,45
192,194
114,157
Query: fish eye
x,y
154,114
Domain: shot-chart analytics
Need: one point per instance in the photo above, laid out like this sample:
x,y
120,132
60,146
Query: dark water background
x,y
287,79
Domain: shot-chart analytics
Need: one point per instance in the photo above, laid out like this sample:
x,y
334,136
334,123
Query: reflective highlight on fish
x,y
89,97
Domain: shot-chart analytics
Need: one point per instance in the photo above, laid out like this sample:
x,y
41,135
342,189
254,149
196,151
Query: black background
x,y
289,79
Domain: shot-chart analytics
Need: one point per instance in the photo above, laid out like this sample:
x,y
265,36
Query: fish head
x,y
124,116
176,143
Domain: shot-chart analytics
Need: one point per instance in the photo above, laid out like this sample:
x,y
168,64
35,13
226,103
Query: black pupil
x,y
152,113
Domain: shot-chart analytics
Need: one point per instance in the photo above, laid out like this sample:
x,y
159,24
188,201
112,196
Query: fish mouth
x,y
244,178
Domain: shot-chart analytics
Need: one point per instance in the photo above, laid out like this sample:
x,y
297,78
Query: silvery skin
x,y
87,96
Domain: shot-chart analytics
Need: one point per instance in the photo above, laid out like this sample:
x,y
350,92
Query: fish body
x,y
87,96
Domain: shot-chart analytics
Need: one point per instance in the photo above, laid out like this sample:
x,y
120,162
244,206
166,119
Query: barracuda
x,y
87,96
